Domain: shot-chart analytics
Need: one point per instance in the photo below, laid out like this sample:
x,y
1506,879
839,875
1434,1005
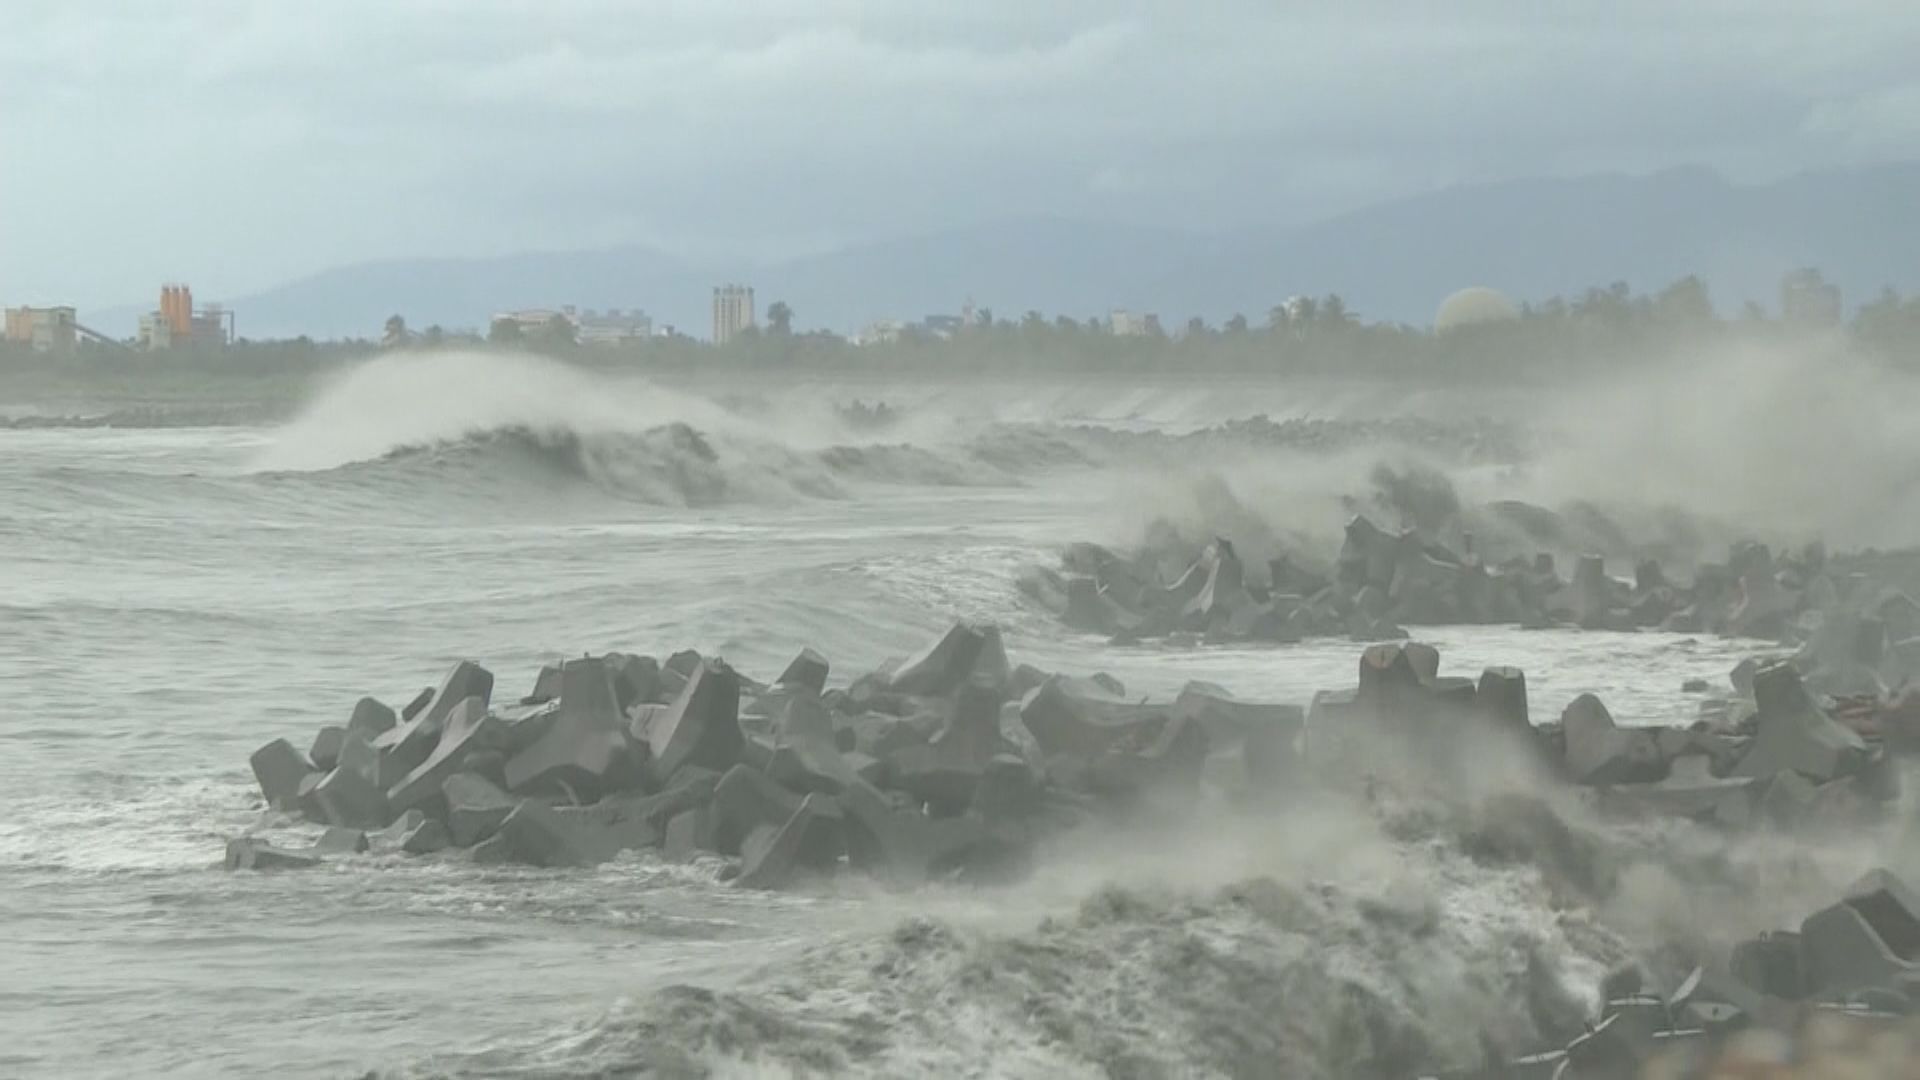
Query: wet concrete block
x,y
252,853
424,838
942,781
806,755
533,834
688,834
475,808
372,718
526,724
808,671
746,799
466,729
940,668
970,729
357,754
1222,593
325,752
345,797
702,727
1393,676
413,740
611,826
585,750
641,718
414,704
1600,752
944,772
820,767
756,752
1772,964
1079,726
1169,763
1691,790
340,840
1793,733
1785,800
1368,556
809,842
1007,789
691,787
1501,696
901,844
1589,598
1871,938
389,838
865,766
280,768
1336,721
636,679
880,735
489,764
1230,721
546,686
496,850
1023,679
308,802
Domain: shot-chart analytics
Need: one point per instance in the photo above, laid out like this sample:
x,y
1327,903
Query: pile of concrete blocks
x,y
951,763
1380,582
1839,996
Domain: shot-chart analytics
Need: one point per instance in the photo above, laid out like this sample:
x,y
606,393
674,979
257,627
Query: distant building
x,y
177,325
1475,305
1809,299
43,329
881,332
732,311
613,327
532,318
944,327
1123,323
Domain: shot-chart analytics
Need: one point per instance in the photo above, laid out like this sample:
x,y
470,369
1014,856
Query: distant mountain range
x,y
1394,260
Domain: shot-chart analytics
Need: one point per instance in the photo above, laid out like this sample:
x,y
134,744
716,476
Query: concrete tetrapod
x,y
703,725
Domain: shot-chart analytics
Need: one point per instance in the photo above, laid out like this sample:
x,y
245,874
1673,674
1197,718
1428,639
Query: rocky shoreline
x,y
957,765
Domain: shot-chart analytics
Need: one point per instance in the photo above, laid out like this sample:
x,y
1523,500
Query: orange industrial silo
x,y
176,309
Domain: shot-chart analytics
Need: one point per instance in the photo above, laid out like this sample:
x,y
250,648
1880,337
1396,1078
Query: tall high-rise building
x,y
732,311
1809,299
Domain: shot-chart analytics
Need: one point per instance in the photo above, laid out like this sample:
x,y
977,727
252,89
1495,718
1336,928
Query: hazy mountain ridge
x,y
1393,260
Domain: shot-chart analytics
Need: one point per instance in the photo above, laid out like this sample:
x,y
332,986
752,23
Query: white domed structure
x,y
1474,306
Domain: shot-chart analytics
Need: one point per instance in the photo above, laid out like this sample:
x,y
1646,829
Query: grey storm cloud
x,y
241,142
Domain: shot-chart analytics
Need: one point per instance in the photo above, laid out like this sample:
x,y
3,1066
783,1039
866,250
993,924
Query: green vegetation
x,y
1603,329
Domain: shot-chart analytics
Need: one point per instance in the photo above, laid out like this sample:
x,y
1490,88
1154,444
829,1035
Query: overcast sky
x,y
237,144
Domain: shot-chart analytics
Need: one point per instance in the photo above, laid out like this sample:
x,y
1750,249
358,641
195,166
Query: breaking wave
x,y
490,418
1332,943
1343,938
478,417
674,464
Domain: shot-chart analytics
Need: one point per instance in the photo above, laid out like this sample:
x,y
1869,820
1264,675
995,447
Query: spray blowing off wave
x,y
479,416
1782,447
425,400
1316,947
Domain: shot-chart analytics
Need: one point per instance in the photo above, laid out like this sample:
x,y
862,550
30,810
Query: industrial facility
x,y
50,329
45,329
176,325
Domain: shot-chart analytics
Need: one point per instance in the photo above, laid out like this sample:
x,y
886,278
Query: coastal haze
x,y
347,344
